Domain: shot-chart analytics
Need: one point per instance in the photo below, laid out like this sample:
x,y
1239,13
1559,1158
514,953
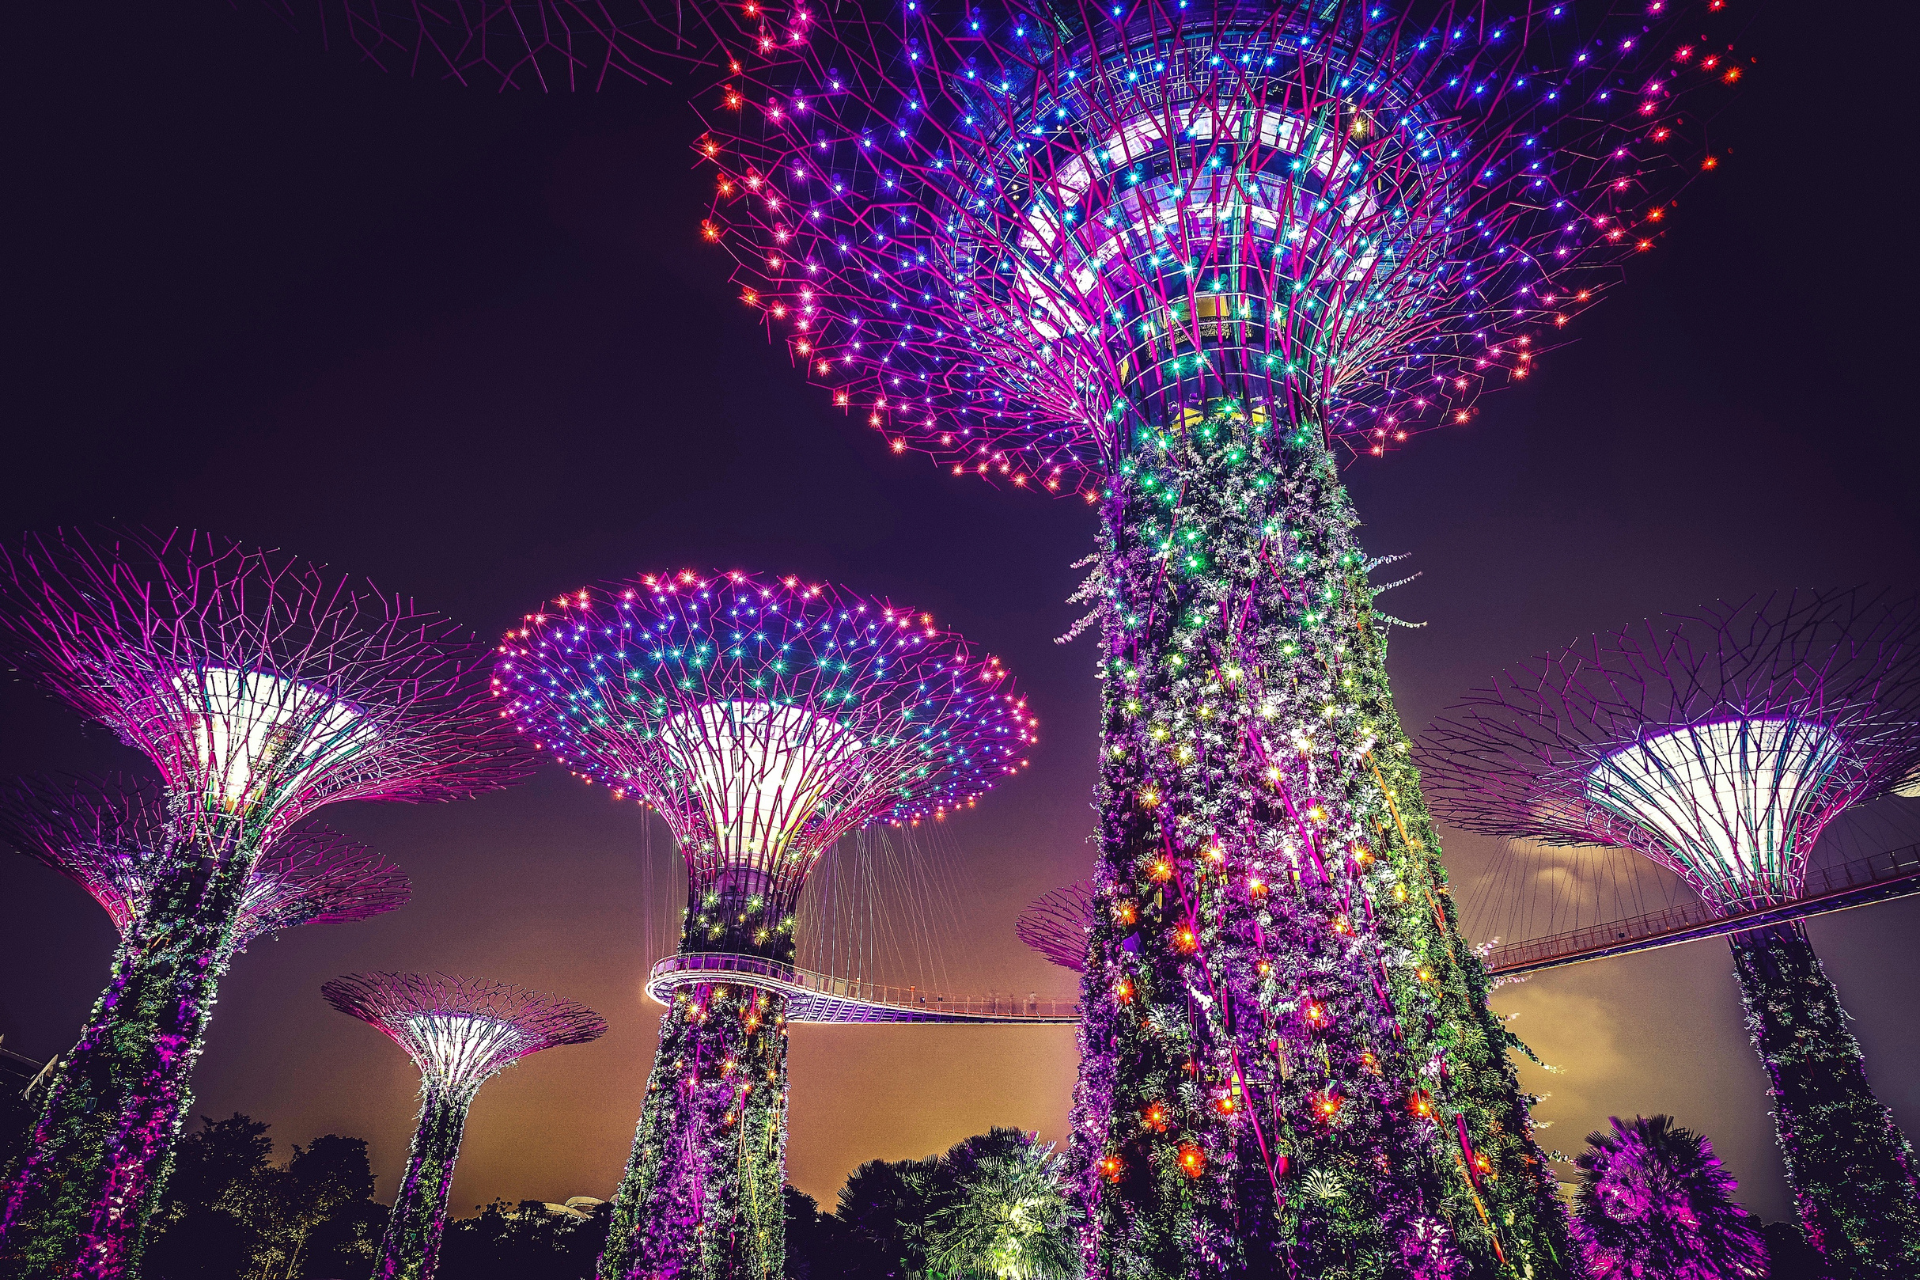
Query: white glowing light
x,y
257,734
1065,274
1724,799
460,1050
760,771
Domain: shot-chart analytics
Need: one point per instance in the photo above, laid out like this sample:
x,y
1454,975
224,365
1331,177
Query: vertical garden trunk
x,y
410,1249
1850,1168
701,1198
78,1202
1287,1059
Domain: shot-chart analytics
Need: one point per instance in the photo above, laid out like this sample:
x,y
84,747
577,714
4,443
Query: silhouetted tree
x,y
205,1228
329,1178
231,1214
816,1241
527,1241
884,1208
966,1212
1653,1201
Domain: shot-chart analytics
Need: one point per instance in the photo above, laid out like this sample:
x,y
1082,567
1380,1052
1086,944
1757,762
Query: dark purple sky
x,y
471,346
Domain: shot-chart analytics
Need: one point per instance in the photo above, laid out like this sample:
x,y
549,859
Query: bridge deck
x,y
1854,884
819,997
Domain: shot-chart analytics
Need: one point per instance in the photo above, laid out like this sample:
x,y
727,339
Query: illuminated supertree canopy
x,y
1057,924
1167,255
460,1033
1015,239
1719,744
261,688
763,719
110,836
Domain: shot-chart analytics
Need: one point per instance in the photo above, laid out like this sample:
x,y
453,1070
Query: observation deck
x,y
1893,874
822,998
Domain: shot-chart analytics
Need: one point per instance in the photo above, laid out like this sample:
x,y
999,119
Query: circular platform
x,y
822,998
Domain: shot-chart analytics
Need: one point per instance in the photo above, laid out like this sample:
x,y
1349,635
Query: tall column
x,y
701,1197
1850,1167
410,1247
1286,1051
79,1199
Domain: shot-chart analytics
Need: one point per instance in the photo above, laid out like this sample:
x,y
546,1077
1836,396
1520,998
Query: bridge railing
x,y
1831,885
723,965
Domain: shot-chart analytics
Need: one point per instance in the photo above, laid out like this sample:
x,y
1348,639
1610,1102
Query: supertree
x,y
763,719
1166,254
1719,744
1654,1201
1057,924
110,836
261,687
460,1032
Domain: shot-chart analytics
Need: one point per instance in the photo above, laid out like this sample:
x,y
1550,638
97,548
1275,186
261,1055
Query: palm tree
x,y
1009,1219
1654,1202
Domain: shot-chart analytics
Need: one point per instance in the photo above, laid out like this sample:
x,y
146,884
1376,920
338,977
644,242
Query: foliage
x,y
883,1208
527,1241
231,1214
1850,1167
1653,1201
994,1204
1009,1218
816,1241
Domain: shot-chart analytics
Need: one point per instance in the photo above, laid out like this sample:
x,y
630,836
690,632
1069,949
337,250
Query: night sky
x,y
471,347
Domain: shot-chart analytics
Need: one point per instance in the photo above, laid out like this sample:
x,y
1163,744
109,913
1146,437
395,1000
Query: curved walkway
x,y
819,997
1854,884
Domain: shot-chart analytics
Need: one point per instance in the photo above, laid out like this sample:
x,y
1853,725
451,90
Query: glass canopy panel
x,y
760,771
256,734
460,1050
1725,800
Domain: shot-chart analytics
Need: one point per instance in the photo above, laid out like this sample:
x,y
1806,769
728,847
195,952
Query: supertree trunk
x,y
410,1248
1850,1168
1465,1044
79,1202
1287,1060
701,1197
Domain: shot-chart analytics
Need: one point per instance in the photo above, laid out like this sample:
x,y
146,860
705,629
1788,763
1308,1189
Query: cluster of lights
x,y
763,718
1370,217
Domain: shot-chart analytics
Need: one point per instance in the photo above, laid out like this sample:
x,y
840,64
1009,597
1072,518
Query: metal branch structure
x,y
539,45
261,688
763,719
1018,239
460,1033
1169,255
1058,924
110,836
1719,744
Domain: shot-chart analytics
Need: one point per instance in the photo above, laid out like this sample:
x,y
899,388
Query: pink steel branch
x,y
993,330
111,836
1717,744
261,684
